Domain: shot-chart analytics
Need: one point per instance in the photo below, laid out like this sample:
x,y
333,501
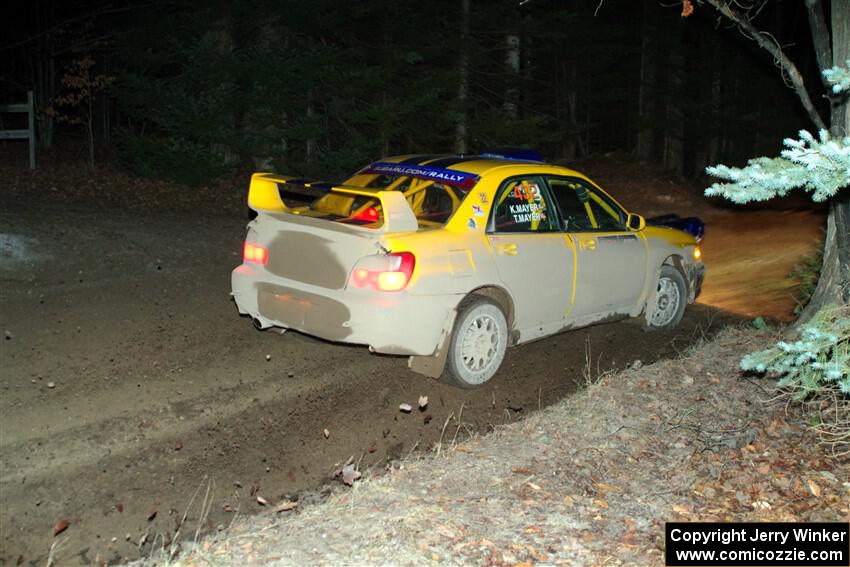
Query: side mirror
x,y
635,222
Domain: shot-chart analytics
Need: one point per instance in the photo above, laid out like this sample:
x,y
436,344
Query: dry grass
x,y
588,481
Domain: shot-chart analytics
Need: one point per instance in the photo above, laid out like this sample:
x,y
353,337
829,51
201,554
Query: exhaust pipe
x,y
261,326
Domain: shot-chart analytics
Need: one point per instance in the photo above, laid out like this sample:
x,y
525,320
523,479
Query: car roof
x,y
476,164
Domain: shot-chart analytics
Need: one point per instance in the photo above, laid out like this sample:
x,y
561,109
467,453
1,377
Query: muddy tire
x,y
671,297
479,341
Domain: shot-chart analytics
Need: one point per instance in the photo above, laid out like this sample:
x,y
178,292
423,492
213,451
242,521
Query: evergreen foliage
x,y
210,88
820,166
817,364
839,78
818,359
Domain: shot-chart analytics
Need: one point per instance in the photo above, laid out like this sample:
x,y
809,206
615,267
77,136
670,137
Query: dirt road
x,y
129,382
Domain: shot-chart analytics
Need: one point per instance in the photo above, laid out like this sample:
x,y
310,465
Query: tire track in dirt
x,y
161,390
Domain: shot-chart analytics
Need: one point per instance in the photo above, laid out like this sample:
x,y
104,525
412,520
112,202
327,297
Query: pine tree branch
x,y
771,47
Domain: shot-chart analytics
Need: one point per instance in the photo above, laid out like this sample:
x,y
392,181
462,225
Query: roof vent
x,y
516,154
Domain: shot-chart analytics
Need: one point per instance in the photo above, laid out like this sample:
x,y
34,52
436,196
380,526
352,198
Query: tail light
x,y
255,253
384,272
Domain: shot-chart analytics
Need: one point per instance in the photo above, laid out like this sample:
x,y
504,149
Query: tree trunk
x,y
574,145
646,93
90,128
310,148
674,132
43,68
512,79
463,82
834,282
716,110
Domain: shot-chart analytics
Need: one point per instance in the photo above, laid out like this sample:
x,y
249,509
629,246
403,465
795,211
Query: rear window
x,y
433,202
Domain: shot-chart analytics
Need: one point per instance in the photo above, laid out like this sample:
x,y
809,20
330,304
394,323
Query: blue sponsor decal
x,y
459,178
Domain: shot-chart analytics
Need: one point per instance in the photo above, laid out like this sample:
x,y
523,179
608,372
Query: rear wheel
x,y
671,296
479,341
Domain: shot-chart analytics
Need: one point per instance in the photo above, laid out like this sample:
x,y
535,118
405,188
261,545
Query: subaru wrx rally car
x,y
451,259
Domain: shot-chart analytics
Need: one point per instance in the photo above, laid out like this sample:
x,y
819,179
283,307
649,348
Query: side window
x,y
571,198
606,214
523,205
583,208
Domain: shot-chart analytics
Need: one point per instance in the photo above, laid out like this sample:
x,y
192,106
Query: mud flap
x,y
433,365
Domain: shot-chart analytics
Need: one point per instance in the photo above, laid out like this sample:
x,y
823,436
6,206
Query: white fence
x,y
29,132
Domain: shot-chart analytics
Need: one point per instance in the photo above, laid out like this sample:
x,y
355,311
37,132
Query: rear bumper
x,y
391,323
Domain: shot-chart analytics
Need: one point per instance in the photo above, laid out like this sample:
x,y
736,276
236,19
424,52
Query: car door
x,y
611,261
533,259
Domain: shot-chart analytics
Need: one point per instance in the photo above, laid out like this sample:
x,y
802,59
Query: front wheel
x,y
670,299
478,345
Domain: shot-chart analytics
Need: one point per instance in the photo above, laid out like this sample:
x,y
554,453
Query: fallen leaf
x,y
569,500
600,503
152,514
178,445
520,470
60,527
406,408
262,501
446,531
680,509
423,402
286,506
348,474
813,487
326,433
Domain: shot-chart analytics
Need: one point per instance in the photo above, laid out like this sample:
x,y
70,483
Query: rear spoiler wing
x,y
264,197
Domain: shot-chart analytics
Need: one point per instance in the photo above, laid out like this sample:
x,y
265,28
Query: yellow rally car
x,y
451,259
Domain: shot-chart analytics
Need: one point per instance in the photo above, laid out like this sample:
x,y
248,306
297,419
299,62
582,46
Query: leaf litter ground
x,y
588,481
